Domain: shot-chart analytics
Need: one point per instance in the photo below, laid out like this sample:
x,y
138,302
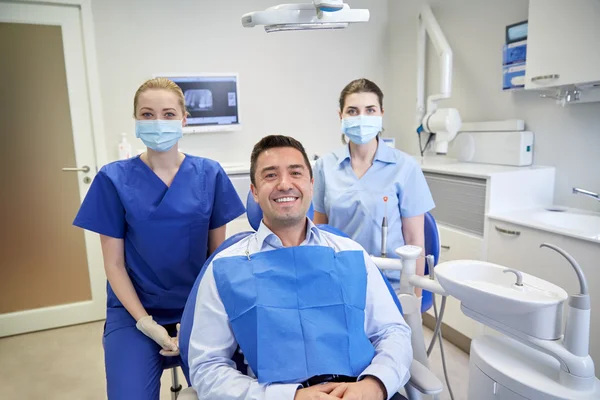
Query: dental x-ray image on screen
x,y
198,100
211,100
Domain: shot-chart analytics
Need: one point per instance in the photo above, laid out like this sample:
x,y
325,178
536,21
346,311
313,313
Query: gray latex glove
x,y
156,332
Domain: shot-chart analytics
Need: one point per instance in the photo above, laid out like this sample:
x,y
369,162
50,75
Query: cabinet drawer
x,y
459,201
518,247
457,245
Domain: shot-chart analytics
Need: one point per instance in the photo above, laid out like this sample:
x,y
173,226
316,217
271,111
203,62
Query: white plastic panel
x,y
481,386
459,200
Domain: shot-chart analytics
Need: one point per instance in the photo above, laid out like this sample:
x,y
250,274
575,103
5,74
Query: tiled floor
x,y
68,364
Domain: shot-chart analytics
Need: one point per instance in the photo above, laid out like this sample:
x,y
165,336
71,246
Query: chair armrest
x,y
423,380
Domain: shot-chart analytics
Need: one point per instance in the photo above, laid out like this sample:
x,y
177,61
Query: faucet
x,y
586,193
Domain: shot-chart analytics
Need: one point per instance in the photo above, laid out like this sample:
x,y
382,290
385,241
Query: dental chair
x,y
432,247
422,381
173,363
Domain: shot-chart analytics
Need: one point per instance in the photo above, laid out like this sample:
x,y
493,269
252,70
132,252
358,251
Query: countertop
x,y
434,164
236,168
450,166
579,224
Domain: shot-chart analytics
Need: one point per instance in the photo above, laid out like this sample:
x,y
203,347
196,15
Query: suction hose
x,y
438,322
437,332
438,319
582,282
576,337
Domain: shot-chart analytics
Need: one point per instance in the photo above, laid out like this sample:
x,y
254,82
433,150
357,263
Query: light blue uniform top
x,y
357,207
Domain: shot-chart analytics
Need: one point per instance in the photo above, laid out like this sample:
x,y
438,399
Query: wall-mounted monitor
x,y
212,101
517,32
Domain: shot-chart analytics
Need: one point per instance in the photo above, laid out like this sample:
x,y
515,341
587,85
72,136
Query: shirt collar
x,y
342,154
266,236
384,153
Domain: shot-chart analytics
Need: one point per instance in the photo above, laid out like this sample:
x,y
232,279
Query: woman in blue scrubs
x,y
364,181
159,216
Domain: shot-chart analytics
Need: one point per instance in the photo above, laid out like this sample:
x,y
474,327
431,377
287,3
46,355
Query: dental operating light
x,y
320,14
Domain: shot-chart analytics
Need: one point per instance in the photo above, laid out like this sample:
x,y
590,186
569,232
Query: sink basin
x,y
577,223
485,284
490,296
588,224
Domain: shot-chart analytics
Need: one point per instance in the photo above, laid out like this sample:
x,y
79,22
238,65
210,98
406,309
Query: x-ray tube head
x,y
445,123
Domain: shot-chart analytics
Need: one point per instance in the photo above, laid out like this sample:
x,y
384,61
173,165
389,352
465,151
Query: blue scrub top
x,y
165,229
357,207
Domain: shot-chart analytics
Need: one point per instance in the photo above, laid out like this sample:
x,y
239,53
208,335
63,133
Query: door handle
x,y
443,247
85,169
545,77
507,231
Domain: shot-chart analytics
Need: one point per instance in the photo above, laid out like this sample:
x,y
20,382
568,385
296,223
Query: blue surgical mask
x,y
159,134
362,128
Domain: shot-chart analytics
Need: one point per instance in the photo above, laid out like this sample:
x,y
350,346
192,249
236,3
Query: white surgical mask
x,y
362,128
159,134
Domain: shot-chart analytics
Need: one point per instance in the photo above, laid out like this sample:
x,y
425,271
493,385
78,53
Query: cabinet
x,y
463,194
518,247
562,43
459,201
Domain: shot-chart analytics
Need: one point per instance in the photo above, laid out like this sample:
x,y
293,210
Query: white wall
x,y
289,82
567,138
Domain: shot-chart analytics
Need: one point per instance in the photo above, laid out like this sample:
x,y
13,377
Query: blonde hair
x,y
160,83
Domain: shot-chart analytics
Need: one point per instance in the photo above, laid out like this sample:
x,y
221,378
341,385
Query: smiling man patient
x,y
308,309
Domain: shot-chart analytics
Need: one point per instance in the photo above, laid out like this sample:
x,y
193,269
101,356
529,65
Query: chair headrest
x,y
432,239
255,214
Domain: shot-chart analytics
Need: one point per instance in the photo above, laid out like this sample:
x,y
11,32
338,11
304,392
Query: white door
x,y
51,273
